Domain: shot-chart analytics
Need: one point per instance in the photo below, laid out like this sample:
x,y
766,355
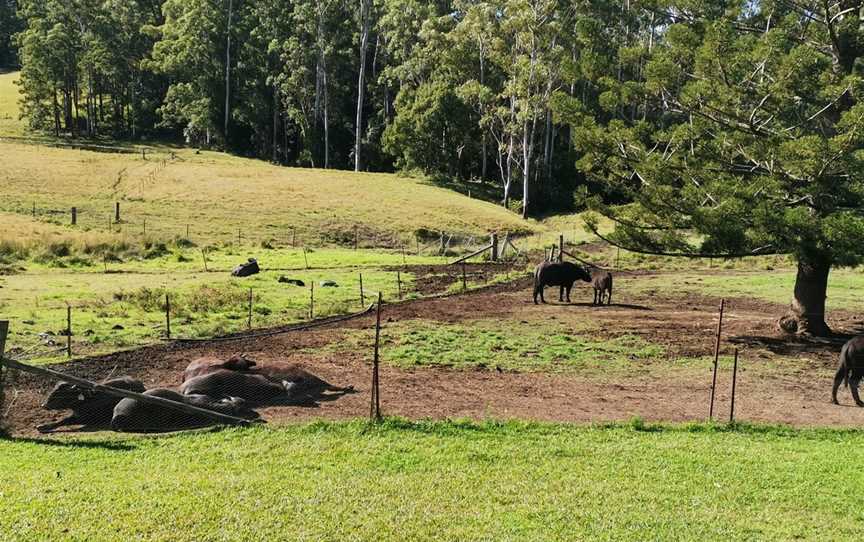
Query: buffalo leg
x,y
536,291
561,293
853,387
838,379
48,427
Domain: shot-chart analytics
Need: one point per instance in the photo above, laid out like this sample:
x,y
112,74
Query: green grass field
x,y
10,124
438,481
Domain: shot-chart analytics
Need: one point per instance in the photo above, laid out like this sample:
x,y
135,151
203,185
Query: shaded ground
x,y
782,379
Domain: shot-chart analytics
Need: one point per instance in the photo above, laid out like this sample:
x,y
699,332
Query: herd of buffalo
x,y
232,387
235,386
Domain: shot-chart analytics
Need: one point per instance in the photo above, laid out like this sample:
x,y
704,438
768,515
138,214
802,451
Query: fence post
x,y
34,209
494,248
399,283
68,331
375,406
464,284
4,330
74,216
716,356
187,231
311,300
734,380
249,323
305,260
117,211
204,257
362,296
145,227
561,248
167,316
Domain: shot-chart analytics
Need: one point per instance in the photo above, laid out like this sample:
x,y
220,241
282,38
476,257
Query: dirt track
x,y
797,395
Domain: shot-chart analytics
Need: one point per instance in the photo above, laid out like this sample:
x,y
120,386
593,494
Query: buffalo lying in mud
x,y
851,369
89,407
562,274
257,382
602,284
133,415
202,366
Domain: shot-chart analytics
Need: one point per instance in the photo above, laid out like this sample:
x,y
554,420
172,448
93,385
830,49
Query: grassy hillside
x,y
217,194
9,123
438,481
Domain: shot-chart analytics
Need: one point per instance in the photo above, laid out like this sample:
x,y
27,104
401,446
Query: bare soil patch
x,y
684,324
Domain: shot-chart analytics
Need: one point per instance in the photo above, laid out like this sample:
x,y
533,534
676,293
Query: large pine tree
x,y
747,140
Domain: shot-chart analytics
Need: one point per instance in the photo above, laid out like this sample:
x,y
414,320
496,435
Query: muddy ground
x,y
684,324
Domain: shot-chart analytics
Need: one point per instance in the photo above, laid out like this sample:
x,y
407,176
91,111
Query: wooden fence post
x,y
716,357
187,231
464,284
34,209
304,258
167,316
734,380
249,323
399,283
68,331
375,406
4,330
494,247
144,230
117,211
74,216
561,248
362,296
204,257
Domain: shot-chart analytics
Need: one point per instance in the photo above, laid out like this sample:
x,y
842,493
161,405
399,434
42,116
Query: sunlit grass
x,y
438,481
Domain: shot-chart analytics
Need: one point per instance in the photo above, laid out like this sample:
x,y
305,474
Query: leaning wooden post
x,y
362,296
204,257
464,283
494,248
734,380
74,216
716,357
167,316
306,260
117,211
561,248
249,323
375,406
68,331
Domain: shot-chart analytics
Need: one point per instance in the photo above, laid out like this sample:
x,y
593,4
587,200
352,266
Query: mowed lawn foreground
x,y
439,481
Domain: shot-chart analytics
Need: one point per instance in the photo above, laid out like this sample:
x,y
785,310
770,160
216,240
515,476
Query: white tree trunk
x,y
361,87
228,70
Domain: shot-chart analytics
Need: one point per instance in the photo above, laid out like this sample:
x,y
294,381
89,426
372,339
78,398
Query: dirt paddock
x,y
797,395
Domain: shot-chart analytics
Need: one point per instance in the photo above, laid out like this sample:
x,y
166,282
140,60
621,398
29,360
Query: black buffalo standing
x,y
851,369
562,274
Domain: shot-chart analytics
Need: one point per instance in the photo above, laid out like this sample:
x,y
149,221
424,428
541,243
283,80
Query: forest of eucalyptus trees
x,y
461,89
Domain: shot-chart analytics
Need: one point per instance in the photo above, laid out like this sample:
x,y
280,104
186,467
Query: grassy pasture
x,y
438,481
131,294
217,195
10,125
